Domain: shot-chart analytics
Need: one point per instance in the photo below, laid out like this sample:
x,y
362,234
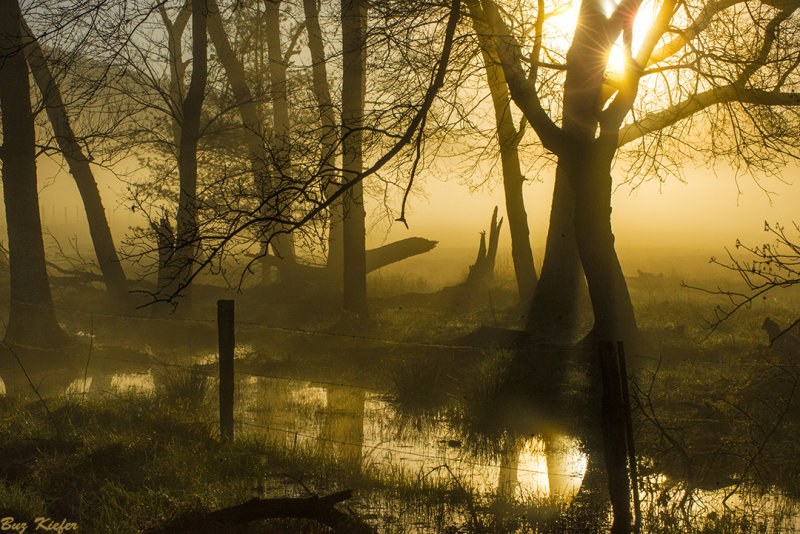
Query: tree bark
x,y
614,317
584,163
32,319
282,243
508,139
481,273
353,93
561,291
587,162
329,138
78,163
187,231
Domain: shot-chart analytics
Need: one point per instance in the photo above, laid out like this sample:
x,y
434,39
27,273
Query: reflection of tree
x,y
561,476
508,480
343,426
590,505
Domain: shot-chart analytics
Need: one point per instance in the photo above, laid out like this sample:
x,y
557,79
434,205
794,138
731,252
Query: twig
x,y
35,389
88,356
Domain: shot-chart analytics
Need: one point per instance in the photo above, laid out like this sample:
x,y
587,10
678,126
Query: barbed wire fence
x,y
207,369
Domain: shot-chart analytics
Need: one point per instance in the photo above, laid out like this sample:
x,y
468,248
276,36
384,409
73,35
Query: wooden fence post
x,y
615,443
225,325
634,469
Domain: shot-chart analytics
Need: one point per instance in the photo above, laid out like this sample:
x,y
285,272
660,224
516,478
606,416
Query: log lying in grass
x,y
320,509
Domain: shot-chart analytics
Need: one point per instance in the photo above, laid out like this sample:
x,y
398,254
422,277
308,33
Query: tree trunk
x,y
31,320
587,162
397,251
508,138
481,273
561,290
78,164
376,258
282,243
574,143
165,241
249,112
329,138
187,232
353,92
611,302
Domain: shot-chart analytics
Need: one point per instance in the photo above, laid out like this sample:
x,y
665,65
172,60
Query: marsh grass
x,y
131,460
119,462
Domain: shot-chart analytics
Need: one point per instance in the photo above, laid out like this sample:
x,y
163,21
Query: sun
x,y
644,21
564,19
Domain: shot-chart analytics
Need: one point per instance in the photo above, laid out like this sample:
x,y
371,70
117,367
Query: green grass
x,y
122,461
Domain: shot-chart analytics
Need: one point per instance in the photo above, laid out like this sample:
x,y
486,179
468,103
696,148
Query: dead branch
x,y
320,509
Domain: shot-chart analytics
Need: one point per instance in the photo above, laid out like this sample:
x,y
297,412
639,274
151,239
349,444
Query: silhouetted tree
x,y
728,59
353,92
508,137
762,269
79,167
282,242
329,135
31,319
186,234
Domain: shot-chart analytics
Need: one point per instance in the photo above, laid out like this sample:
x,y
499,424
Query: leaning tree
x,y
637,86
31,318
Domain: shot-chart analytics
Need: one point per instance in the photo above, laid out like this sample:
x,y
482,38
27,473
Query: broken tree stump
x,y
481,273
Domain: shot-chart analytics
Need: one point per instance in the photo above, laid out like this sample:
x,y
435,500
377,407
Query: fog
x,y
672,228
474,266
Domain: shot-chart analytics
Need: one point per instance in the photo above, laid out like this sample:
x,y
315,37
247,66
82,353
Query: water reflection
x,y
563,463
343,427
366,432
79,386
362,430
133,382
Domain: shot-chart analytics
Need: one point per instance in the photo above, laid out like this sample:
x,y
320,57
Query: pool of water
x,y
365,430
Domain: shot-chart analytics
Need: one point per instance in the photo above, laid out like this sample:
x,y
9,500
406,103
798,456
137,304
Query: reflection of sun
x,y
555,472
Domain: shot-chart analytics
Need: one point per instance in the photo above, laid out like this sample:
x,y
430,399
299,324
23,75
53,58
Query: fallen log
x,y
320,509
376,258
397,251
